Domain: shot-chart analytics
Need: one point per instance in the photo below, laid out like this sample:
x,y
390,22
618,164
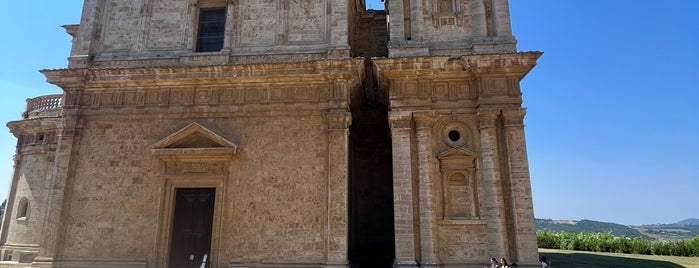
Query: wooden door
x,y
190,246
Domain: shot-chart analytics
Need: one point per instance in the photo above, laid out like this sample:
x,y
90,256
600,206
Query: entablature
x,y
463,82
332,82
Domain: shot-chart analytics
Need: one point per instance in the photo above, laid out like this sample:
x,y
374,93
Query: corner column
x,y
338,123
487,127
424,121
60,188
402,189
523,207
10,203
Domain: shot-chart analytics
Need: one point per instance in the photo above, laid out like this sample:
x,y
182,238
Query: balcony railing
x,y
43,106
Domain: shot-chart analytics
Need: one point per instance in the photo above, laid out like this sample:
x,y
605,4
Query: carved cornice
x,y
511,63
487,118
423,119
332,81
443,81
514,117
296,73
34,125
400,119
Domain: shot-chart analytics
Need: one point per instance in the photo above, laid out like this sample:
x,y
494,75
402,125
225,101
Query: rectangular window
x,y
212,23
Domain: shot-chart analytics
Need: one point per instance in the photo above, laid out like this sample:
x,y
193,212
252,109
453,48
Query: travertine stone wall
x,y
369,32
469,113
266,123
110,189
30,183
163,31
275,205
449,27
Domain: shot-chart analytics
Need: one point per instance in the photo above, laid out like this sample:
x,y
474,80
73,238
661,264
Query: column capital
x,y
400,119
514,117
338,120
423,119
487,117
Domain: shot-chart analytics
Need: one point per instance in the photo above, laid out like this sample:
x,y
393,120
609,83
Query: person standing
x,y
503,263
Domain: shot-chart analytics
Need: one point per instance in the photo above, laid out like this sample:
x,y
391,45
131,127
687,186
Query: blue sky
x,y
613,104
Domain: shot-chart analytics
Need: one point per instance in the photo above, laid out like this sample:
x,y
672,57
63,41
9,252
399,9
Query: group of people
x,y
495,264
503,263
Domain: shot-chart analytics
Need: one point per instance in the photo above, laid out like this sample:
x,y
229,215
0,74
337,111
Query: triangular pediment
x,y
194,142
457,153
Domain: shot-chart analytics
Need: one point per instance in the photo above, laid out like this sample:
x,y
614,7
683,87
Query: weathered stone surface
x,y
302,145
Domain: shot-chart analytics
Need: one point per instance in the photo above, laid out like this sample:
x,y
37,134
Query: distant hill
x,y
587,226
690,221
682,230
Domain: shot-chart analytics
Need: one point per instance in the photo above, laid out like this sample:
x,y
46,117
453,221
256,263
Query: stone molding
x,y
487,118
400,120
514,117
338,120
227,87
207,146
423,119
463,82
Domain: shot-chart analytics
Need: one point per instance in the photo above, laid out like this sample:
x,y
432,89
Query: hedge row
x,y
606,242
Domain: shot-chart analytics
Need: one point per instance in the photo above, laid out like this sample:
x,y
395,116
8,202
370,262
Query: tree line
x,y
607,242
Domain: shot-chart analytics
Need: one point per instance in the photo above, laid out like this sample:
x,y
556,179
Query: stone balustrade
x,y
43,106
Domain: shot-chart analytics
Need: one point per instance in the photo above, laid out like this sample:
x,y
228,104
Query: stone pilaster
x,y
402,189
417,20
523,208
228,35
84,42
501,8
480,26
338,154
60,188
397,29
487,127
427,187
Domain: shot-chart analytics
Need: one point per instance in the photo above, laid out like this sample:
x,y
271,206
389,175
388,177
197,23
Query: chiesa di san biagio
x,y
277,133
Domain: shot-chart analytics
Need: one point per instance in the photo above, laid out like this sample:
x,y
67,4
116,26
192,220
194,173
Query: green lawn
x,y
582,259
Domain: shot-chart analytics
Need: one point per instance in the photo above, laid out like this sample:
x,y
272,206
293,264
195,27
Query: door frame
x,y
167,213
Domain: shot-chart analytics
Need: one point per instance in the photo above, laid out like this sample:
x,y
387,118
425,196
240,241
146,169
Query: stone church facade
x,y
277,133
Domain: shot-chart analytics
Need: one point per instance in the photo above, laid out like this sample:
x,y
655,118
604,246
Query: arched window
x,y
22,208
